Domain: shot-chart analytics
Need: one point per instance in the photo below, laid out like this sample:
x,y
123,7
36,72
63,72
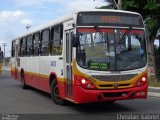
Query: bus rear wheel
x,y
55,93
23,84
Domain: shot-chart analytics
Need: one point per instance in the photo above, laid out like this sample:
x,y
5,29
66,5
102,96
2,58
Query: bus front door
x,y
69,65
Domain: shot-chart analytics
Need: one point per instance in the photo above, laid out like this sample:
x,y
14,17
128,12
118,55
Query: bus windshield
x,y
114,50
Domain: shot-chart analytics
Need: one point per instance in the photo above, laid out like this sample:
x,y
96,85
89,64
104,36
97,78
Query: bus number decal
x,y
53,63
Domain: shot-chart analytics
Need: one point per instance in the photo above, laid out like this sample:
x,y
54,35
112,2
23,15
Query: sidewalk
x,y
6,68
154,91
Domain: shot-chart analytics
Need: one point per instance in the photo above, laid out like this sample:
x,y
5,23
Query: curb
x,y
156,88
6,69
153,94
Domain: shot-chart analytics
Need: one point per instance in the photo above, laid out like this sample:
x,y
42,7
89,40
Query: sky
x,y
16,14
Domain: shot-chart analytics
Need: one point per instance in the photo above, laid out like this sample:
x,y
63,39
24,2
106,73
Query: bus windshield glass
x,y
111,49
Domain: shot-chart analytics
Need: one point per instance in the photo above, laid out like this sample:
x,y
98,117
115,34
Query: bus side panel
x,y
44,70
13,67
22,66
32,71
19,74
18,69
44,83
29,71
62,84
35,70
13,73
57,69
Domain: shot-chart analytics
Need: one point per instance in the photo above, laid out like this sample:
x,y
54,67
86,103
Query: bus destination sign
x,y
109,19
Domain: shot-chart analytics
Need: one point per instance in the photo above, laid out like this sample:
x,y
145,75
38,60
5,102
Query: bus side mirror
x,y
75,41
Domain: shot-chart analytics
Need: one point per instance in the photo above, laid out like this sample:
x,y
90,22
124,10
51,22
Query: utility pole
x,y
4,45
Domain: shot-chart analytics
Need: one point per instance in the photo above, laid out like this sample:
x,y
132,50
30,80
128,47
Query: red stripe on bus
x,y
133,31
109,30
94,30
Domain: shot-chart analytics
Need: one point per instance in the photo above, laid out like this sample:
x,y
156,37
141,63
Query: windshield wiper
x,y
126,33
104,36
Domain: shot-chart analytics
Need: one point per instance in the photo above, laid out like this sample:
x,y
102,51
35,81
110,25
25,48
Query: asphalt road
x,y
15,100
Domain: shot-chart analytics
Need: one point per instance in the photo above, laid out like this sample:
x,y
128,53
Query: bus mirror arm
x,y
75,41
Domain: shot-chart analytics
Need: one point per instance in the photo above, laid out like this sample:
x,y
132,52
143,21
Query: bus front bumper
x,y
88,96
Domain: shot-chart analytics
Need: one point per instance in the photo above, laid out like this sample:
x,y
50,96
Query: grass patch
x,y
152,81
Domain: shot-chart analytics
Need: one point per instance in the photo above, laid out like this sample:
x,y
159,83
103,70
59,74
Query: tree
x,y
147,8
113,4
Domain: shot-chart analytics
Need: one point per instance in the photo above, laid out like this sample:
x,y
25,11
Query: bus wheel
x,y
23,85
55,94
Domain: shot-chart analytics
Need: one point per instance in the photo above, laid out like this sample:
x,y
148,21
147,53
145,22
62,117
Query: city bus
x,y
86,57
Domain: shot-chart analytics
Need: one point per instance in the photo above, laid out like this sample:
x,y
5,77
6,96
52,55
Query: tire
x,y
23,85
55,93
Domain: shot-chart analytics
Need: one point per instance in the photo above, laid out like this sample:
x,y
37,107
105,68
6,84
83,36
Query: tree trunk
x,y
119,4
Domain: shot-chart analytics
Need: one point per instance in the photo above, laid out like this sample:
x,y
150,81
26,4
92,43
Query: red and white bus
x,y
89,56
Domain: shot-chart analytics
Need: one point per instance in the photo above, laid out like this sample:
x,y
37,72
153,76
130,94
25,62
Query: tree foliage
x,y
147,8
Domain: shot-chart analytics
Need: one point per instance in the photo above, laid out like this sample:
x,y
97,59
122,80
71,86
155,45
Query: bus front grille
x,y
114,78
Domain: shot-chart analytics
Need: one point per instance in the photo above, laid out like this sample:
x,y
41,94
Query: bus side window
x,y
19,48
44,49
23,47
13,49
56,40
29,45
36,39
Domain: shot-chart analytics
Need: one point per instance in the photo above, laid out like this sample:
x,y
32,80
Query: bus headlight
x,y
85,83
141,82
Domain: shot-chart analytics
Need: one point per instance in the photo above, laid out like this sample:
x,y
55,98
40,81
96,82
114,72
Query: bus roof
x,y
70,17
106,10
